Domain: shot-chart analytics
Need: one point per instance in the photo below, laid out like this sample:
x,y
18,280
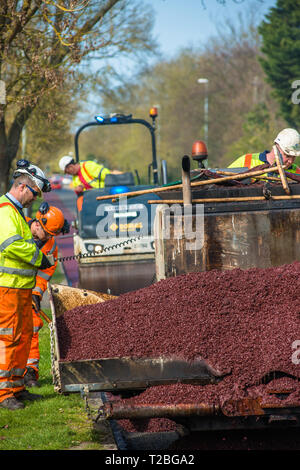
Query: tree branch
x,y
24,17
86,28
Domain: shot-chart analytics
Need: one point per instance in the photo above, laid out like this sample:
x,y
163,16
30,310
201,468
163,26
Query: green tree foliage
x,y
48,130
280,33
260,127
236,93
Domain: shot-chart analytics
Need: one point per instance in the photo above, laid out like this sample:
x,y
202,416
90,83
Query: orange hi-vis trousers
x,y
34,354
16,329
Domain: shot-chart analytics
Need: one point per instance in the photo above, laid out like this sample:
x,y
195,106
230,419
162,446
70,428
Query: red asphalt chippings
x,y
65,244
245,322
231,318
242,322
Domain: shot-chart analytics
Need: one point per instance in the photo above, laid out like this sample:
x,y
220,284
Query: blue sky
x,y
182,23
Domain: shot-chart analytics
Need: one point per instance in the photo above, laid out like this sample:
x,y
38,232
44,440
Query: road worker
x,y
20,260
85,175
49,222
288,145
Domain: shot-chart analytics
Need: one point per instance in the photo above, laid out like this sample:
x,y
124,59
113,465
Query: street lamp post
x,y
205,82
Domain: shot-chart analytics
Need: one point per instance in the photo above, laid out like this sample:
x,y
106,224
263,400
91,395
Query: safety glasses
x,y
35,193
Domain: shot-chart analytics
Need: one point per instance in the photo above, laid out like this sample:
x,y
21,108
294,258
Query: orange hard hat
x,y
51,218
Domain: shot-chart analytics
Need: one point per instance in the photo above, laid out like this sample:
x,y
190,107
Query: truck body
x,y
114,243
242,234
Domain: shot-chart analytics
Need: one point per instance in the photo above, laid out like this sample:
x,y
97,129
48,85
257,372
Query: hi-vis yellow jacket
x,y
250,160
91,175
19,255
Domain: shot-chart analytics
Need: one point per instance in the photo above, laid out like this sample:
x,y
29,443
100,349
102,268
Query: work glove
x,y
47,261
36,300
79,190
66,227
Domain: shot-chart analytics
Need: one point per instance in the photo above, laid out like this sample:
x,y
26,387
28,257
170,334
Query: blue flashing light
x,y
114,119
118,190
99,118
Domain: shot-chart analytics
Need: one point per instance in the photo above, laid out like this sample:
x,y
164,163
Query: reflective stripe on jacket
x,y
92,174
250,160
19,255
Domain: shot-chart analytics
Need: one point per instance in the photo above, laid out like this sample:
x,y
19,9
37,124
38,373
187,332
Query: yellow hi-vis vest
x,y
250,160
92,175
20,258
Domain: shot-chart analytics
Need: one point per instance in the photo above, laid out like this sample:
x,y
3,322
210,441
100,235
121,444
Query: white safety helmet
x,y
24,167
65,161
289,141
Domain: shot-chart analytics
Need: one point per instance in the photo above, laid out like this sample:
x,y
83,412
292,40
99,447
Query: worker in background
x,y
288,145
20,260
86,175
48,223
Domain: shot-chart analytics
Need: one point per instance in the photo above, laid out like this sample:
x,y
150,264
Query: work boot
x,y
11,403
30,378
25,395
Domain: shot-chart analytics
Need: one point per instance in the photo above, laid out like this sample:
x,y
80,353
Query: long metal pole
x,y
221,180
186,180
205,82
206,114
